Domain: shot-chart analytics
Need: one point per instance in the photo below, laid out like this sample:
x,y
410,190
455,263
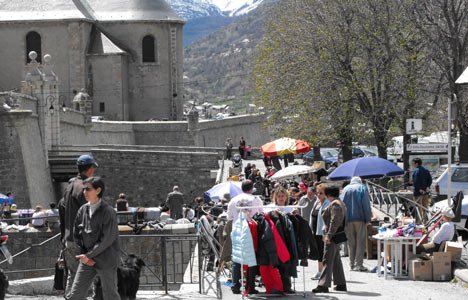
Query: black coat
x,y
306,243
266,252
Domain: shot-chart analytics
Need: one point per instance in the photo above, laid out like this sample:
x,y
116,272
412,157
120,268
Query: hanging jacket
x,y
242,243
253,231
281,249
266,252
295,260
305,243
281,225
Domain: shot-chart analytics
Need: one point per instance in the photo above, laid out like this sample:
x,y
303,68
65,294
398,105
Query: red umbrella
x,y
285,146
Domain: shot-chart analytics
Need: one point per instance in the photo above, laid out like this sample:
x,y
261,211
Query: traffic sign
x,y
413,126
431,147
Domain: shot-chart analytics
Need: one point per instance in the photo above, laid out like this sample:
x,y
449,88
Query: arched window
x,y
148,49
33,43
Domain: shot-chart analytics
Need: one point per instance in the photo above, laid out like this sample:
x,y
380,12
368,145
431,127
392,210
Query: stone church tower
x,y
127,54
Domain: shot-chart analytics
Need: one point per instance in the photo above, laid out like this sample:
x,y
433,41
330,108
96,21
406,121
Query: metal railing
x,y
392,203
167,245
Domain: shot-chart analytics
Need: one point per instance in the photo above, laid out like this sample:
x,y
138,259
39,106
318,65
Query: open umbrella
x,y
366,167
285,146
291,171
233,188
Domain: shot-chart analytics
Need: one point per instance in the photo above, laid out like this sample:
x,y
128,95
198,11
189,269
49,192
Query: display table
x,y
396,246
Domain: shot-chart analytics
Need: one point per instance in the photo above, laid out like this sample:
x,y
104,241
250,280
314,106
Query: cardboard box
x,y
455,249
442,266
420,269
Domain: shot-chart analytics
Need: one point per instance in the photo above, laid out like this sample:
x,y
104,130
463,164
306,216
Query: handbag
x,y
340,236
60,276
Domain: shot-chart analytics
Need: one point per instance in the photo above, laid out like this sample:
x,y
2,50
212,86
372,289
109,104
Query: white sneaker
x,y
317,276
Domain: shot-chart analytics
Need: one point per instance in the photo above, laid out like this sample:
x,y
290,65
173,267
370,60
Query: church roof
x,y
101,44
133,10
92,10
39,10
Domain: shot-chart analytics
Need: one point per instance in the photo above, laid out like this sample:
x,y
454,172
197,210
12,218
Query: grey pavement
x,y
369,285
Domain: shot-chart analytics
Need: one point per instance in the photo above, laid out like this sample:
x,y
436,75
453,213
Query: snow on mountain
x,y
236,7
192,9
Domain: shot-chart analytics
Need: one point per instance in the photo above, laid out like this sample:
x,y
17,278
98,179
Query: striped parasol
x,y
285,146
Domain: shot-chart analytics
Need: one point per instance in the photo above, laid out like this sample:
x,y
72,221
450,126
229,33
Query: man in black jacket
x,y
73,199
97,234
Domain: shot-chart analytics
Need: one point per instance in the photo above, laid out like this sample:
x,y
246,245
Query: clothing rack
x,y
241,208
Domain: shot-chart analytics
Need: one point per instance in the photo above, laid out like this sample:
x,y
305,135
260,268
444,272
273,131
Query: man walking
x,y
356,198
175,202
422,181
73,199
97,234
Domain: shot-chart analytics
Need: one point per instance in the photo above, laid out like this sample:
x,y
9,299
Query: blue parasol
x,y
366,167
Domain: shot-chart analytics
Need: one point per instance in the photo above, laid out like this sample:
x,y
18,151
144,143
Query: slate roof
x,y
91,10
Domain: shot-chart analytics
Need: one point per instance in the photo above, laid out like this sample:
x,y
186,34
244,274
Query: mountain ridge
x,y
217,67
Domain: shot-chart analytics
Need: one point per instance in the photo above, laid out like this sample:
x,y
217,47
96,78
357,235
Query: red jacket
x,y
282,250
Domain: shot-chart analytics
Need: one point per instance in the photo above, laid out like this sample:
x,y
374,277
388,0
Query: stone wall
x,y
40,257
12,171
179,244
148,176
213,133
23,165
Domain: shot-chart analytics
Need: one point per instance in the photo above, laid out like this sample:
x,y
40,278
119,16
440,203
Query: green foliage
x,y
341,70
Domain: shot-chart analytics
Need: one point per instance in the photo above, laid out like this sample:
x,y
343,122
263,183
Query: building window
x,y
102,107
33,43
148,49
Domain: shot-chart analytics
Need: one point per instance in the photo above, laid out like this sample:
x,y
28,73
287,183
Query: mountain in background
x,y
206,16
217,67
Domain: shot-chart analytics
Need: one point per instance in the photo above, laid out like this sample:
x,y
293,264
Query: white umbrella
x,y
292,171
233,188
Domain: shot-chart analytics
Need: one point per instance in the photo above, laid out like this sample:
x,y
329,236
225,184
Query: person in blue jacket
x,y
356,198
422,181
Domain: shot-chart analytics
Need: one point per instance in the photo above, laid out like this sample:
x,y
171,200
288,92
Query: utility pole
x,y
449,150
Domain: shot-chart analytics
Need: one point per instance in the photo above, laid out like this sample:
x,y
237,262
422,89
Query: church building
x,y
126,54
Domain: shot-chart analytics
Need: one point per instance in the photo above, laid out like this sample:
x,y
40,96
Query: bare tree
x,y
444,26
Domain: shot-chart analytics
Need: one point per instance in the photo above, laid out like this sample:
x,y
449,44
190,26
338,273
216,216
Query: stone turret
x,y
41,82
82,102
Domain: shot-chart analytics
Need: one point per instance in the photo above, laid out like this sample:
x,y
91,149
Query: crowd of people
x,y
328,214
271,227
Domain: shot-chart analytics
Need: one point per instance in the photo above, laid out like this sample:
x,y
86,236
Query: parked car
x,y
328,155
365,151
464,215
372,151
459,182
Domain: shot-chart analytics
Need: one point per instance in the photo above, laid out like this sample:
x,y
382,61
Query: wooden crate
x,y
371,245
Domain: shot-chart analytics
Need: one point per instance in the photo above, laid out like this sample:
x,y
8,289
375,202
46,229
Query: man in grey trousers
x,y
356,198
97,234
73,199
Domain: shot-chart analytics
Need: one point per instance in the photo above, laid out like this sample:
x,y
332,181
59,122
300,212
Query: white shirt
x,y
243,200
446,232
38,222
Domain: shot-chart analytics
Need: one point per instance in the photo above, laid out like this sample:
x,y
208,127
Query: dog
x,y
128,279
3,284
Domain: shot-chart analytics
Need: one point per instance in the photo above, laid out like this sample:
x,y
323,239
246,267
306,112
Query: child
x,y
249,150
